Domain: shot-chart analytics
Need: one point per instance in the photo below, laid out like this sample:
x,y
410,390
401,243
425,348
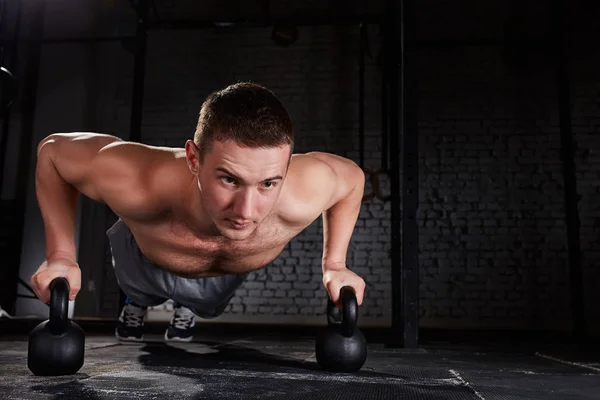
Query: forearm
x,y
338,225
57,200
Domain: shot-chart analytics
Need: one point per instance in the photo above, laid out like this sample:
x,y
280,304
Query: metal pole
x,y
570,179
261,23
399,68
35,26
410,175
139,73
391,83
361,96
385,148
11,67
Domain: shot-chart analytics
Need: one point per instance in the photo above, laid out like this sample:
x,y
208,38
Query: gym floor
x,y
241,362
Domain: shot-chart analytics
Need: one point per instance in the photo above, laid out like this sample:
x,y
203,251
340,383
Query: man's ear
x,y
192,155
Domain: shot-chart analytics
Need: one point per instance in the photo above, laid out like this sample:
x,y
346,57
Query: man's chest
x,y
176,248
264,240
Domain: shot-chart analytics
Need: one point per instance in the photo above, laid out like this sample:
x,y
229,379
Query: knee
x,y
217,311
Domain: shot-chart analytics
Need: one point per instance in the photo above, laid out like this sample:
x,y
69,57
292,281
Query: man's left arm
x,y
345,185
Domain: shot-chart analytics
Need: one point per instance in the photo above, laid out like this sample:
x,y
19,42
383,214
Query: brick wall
x,y
492,231
586,127
492,220
492,228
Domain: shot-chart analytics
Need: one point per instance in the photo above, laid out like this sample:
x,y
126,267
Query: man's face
x,y
239,186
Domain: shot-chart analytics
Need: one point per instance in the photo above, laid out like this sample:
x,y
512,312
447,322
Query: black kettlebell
x,y
56,346
341,346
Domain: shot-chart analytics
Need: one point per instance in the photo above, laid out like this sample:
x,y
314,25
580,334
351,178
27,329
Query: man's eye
x,y
269,184
228,180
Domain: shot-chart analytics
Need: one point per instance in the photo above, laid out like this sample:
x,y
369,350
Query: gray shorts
x,y
148,285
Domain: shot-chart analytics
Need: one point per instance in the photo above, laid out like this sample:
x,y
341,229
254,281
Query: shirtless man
x,y
194,222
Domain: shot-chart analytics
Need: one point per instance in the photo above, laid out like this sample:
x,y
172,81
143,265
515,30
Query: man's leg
x,y
130,327
139,279
205,298
181,327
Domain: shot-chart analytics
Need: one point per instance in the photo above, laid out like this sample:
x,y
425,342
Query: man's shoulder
x,y
306,165
168,173
150,164
306,190
308,174
321,168
156,176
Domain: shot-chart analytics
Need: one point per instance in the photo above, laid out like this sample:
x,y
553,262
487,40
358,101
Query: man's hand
x,y
48,271
335,278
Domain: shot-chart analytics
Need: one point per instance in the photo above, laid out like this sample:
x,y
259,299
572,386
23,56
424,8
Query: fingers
x,y
40,281
74,278
359,288
334,286
334,292
40,287
360,295
33,282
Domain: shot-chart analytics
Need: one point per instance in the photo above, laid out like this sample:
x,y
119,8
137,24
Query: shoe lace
x,y
182,320
133,318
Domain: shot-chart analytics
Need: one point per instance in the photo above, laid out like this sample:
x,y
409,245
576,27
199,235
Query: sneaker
x,y
131,323
182,326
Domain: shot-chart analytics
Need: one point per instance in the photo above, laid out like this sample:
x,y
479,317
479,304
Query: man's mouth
x,y
238,224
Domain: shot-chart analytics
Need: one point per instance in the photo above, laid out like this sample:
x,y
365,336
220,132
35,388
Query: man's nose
x,y
243,205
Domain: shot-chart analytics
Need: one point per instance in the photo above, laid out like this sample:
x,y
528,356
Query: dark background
x,y
492,226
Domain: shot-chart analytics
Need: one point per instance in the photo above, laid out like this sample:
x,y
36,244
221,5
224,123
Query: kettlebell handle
x,y
59,306
349,312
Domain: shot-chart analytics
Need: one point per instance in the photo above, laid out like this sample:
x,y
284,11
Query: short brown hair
x,y
247,113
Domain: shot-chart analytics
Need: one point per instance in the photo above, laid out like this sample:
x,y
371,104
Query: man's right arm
x,y
65,168
102,167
